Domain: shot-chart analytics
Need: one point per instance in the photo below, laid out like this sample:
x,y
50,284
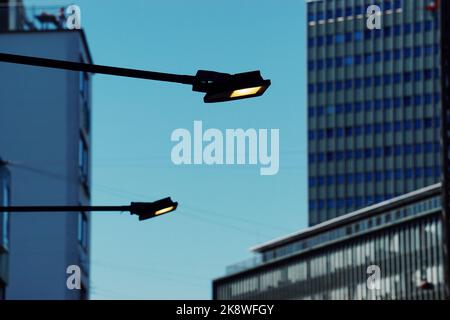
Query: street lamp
x,y
144,210
219,87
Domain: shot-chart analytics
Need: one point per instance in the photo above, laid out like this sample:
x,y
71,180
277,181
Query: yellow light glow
x,y
165,210
245,92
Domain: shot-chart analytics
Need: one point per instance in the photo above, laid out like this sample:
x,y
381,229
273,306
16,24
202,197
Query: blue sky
x,y
223,210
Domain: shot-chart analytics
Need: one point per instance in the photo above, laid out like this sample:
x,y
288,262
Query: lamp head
x,y
221,87
147,210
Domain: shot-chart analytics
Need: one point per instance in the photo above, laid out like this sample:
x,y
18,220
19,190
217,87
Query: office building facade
x,y
391,250
373,103
46,138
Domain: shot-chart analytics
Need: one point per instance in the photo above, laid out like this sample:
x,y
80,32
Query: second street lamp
x,y
219,87
144,210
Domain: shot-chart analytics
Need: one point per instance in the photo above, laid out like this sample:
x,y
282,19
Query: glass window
x,y
340,38
5,215
83,160
83,230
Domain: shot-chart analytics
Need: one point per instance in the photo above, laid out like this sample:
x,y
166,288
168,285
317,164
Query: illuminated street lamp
x,y
219,87
144,210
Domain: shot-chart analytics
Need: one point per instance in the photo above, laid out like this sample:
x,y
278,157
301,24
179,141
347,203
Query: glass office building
x,y
402,237
373,103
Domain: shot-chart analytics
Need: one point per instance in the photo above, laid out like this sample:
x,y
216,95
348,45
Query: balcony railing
x,y
33,18
244,265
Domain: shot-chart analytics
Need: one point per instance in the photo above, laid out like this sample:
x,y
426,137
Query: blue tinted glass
x,y
320,64
348,60
378,152
330,204
348,11
329,63
320,134
349,36
320,110
418,124
378,104
348,107
428,148
407,28
329,86
320,87
406,52
387,151
340,38
330,156
387,127
407,101
330,39
348,131
407,149
388,174
377,56
378,128
329,14
320,41
407,76
417,75
418,172
407,125
417,27
417,51
417,148
320,157
377,81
